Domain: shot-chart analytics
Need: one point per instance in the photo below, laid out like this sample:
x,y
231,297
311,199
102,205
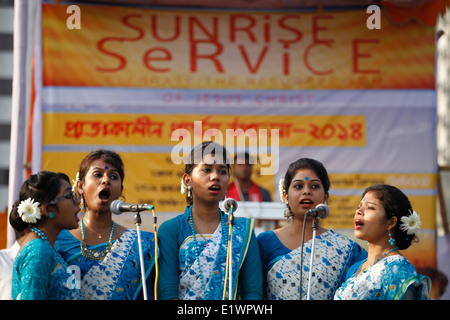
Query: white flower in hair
x,y
281,190
74,185
411,223
77,191
29,210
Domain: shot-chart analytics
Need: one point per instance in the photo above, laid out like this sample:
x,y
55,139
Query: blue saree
x,y
118,275
184,277
38,275
334,254
388,279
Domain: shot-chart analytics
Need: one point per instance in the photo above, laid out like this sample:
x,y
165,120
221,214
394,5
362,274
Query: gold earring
x,y
288,212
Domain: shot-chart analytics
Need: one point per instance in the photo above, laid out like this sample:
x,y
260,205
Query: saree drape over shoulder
x,y
388,279
118,275
181,276
38,275
333,256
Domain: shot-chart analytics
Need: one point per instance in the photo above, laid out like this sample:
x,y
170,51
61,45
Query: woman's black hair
x,y
41,187
397,204
307,163
197,154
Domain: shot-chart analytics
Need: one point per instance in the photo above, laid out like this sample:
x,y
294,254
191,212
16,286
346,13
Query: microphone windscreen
x,y
326,210
115,206
227,203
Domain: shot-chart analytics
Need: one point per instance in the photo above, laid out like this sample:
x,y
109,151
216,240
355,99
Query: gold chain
x,y
94,254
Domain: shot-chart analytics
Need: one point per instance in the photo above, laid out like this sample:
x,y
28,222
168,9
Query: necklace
x,y
94,254
99,234
197,247
44,238
376,261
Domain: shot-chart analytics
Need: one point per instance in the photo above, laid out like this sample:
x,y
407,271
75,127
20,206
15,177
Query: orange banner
x,y
131,129
139,81
130,47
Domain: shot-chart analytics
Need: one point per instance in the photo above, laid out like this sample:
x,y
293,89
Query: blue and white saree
x,y
333,256
195,268
212,261
389,279
118,275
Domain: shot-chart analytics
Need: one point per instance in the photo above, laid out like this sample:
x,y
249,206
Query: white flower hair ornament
x,y
75,184
29,210
410,224
281,190
77,191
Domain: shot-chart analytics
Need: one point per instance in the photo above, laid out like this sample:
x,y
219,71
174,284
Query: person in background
x,y
46,206
7,258
243,188
385,220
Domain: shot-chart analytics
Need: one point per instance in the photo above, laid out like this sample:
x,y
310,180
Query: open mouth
x,y
358,224
214,188
306,203
104,195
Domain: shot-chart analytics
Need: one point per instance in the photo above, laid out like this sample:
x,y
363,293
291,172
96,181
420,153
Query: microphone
x,y
321,211
119,207
228,203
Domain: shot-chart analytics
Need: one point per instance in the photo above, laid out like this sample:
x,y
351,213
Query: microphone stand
x,y
229,263
315,225
137,222
230,235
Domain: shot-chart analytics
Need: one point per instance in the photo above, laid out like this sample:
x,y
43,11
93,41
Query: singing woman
x,y
46,206
385,220
305,185
106,253
193,245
